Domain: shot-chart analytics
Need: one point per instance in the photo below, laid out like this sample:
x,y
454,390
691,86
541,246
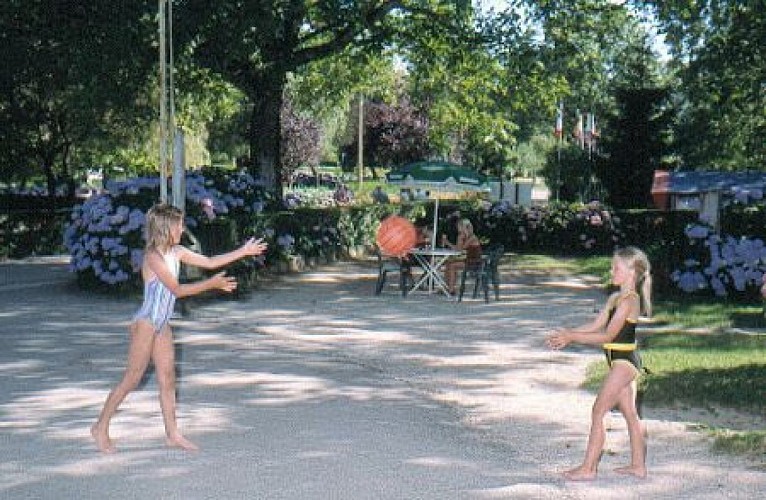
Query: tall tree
x,y
636,146
73,71
720,49
582,44
256,44
330,90
394,134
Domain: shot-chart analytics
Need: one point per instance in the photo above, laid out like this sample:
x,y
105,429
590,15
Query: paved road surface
x,y
311,387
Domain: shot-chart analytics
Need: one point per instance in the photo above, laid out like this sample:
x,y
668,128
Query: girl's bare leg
x,y
448,276
139,353
627,405
619,377
452,270
163,356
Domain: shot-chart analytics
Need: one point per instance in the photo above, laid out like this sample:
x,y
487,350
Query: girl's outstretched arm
x,y
251,248
598,331
157,265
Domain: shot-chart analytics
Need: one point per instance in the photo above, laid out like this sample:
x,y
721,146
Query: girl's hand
x,y
222,282
558,340
254,247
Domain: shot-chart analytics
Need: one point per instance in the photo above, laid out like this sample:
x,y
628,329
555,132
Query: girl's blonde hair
x,y
636,260
160,220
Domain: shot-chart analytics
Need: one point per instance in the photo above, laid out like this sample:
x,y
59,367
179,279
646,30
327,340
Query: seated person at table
x,y
380,196
424,236
467,242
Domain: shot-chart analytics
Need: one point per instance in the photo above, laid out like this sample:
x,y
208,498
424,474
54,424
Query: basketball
x,y
396,236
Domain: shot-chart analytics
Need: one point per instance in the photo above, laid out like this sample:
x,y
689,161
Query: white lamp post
x,y
171,140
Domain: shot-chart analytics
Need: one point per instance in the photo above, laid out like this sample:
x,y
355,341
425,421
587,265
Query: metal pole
x,y
163,109
360,149
179,171
176,135
559,139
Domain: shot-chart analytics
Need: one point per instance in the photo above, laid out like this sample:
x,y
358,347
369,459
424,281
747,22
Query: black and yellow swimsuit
x,y
624,347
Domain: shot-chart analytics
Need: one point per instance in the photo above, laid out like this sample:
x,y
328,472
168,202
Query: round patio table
x,y
432,260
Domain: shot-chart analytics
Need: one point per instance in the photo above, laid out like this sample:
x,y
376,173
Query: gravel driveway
x,y
312,387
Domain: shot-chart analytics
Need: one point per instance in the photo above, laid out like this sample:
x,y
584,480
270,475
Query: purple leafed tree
x,y
395,134
300,141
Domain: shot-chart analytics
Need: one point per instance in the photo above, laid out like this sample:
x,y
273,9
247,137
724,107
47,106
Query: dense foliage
x,y
719,51
105,234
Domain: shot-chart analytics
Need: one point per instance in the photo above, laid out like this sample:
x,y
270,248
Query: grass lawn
x,y
710,353
597,266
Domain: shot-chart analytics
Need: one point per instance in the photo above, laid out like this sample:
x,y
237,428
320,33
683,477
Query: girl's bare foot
x,y
178,441
103,443
579,474
631,470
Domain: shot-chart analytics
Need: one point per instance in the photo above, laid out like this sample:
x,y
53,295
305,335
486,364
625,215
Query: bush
x,y
323,232
32,222
662,236
32,232
721,264
581,229
744,220
105,233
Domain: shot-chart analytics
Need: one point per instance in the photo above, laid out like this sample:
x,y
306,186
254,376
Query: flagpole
x,y
560,138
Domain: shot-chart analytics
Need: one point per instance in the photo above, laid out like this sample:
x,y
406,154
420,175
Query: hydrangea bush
x,y
576,228
309,197
721,264
105,234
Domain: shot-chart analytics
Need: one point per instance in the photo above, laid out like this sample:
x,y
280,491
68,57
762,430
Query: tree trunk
x,y
265,131
67,174
50,177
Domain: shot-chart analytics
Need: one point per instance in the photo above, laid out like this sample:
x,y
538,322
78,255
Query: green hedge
x,y
744,220
32,232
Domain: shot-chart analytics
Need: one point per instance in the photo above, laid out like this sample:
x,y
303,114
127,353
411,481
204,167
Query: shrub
x,y
721,264
556,228
105,234
740,219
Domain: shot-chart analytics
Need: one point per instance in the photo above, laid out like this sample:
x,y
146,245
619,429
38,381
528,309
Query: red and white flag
x,y
590,125
577,133
559,130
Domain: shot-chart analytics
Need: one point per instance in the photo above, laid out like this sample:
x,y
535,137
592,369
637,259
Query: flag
x,y
559,130
577,133
588,128
594,132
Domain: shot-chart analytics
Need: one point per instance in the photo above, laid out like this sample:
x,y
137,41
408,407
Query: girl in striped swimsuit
x,y
151,338
615,330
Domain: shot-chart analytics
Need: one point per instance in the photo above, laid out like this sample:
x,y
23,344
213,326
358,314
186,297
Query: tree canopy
x,y
80,88
74,78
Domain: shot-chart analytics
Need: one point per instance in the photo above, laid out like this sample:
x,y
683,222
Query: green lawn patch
x,y
594,265
709,313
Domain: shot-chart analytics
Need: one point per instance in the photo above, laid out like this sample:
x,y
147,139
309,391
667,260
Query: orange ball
x,y
396,236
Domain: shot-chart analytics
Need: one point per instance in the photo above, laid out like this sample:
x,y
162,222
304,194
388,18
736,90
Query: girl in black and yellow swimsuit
x,y
615,330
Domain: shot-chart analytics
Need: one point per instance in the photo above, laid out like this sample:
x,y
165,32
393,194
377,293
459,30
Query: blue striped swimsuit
x,y
158,299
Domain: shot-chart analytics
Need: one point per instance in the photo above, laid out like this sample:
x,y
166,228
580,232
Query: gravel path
x,y
311,387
